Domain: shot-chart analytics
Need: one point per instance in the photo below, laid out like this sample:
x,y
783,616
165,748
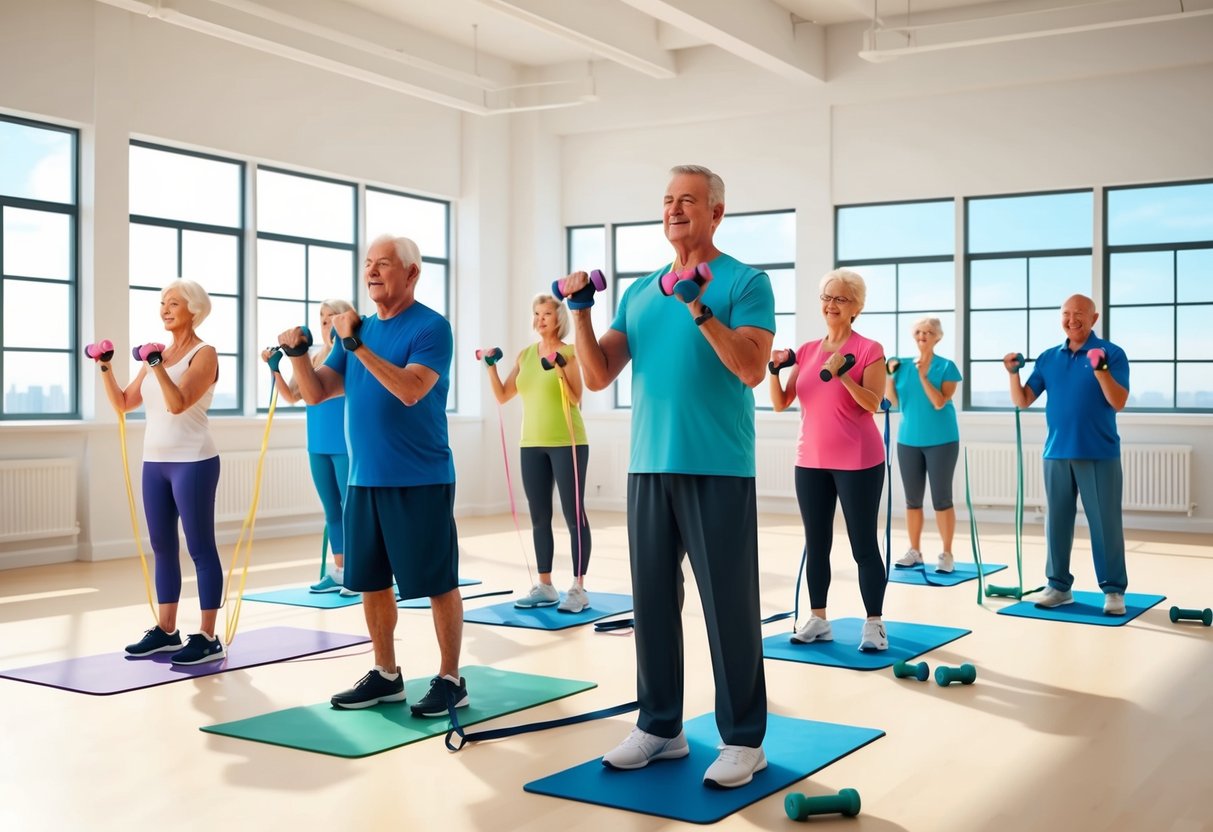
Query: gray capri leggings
x,y
917,463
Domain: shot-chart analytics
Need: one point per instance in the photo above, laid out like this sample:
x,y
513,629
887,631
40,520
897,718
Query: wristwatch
x,y
351,342
705,317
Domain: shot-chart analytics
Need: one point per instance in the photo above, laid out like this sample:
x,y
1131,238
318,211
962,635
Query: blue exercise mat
x,y
906,641
602,605
424,603
1086,609
299,596
795,748
923,575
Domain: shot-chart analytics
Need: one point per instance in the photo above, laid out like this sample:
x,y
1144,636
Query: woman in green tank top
x,y
554,451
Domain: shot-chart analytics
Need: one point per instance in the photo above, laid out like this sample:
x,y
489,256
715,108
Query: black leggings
x,y
541,468
818,490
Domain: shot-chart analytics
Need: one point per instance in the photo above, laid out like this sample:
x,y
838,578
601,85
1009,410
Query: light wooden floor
x,y
1068,727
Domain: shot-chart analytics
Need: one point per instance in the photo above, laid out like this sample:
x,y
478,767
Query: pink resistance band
x,y
509,483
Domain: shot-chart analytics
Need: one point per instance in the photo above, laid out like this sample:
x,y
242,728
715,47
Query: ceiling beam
x,y
607,29
367,48
759,31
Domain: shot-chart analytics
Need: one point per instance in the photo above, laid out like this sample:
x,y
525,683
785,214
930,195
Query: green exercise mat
x,y
324,729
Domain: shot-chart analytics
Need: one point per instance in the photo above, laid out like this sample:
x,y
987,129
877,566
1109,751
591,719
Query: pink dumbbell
x,y
101,351
583,298
1098,358
150,352
687,284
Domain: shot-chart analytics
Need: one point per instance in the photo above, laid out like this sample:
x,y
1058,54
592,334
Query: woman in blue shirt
x,y
928,439
326,449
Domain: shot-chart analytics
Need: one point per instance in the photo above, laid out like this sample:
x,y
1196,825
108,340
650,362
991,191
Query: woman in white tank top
x,y
180,469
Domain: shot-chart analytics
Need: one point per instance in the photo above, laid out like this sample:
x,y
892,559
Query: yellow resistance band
x,y
130,500
231,614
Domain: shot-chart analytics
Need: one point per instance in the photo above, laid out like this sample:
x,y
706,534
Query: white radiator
x,y
37,499
286,485
1156,477
775,466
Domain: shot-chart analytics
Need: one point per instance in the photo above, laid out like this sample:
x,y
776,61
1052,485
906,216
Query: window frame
x,y
238,232
1028,255
307,243
72,211
1106,287
898,262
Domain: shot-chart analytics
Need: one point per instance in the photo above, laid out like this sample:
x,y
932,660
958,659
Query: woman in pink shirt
x,y
840,456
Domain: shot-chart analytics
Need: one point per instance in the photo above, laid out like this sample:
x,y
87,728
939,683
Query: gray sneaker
x,y
1051,598
575,600
541,595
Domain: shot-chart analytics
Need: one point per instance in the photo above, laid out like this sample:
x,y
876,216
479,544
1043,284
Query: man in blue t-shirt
x,y
1089,382
394,370
691,485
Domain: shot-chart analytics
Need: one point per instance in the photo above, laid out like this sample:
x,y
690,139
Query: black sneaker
x,y
200,650
371,689
434,703
155,640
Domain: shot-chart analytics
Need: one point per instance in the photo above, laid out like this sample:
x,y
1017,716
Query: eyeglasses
x,y
838,299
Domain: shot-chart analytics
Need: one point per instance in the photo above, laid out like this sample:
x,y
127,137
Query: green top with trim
x,y
543,424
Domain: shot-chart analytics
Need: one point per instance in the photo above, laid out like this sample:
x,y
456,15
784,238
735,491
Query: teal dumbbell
x,y
1204,616
800,807
905,670
966,674
1003,591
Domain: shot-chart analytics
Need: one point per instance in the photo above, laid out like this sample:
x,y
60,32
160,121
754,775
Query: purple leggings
x,y
185,490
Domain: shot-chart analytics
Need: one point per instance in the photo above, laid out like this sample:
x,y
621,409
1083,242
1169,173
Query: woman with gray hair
x,y
839,381
180,469
328,456
550,437
928,438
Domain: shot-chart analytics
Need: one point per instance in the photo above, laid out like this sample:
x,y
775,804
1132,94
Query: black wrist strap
x,y
705,317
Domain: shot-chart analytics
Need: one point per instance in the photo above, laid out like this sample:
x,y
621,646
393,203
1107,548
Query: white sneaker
x,y
1114,603
1054,598
945,562
575,600
912,557
541,595
348,593
873,636
735,766
641,748
815,629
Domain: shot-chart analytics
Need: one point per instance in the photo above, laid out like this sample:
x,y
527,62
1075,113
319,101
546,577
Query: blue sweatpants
x,y
1101,484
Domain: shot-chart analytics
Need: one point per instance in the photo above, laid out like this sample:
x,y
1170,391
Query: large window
x,y
38,231
905,252
1024,256
187,212
305,254
427,222
639,249
1159,289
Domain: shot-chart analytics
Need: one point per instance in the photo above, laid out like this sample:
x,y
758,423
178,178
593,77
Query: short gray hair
x,y
933,323
337,305
852,280
562,315
406,249
715,183
197,301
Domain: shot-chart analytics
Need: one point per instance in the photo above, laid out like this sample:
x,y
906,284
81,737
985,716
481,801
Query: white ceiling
x,y
503,56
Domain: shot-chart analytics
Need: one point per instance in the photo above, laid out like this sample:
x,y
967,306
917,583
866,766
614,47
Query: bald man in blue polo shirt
x,y
1089,380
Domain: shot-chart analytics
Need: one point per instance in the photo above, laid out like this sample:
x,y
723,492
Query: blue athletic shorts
x,y
406,531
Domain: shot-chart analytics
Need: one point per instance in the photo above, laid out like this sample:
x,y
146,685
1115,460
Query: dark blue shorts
x,y
405,531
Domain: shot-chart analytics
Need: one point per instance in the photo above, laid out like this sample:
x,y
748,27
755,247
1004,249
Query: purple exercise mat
x,y
117,672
